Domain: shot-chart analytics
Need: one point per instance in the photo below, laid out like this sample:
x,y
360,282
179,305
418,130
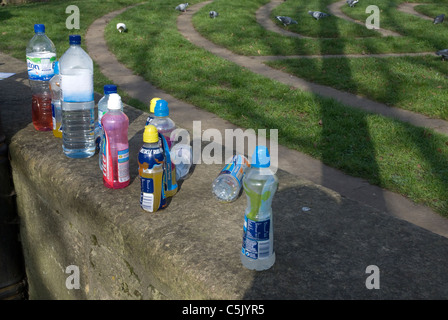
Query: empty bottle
x,y
102,109
227,185
40,58
152,105
162,121
164,127
260,185
56,95
182,157
151,160
115,124
78,105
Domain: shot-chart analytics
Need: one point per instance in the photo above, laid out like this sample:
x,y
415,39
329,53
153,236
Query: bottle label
x,y
53,116
108,165
256,244
123,165
78,87
41,68
152,178
236,167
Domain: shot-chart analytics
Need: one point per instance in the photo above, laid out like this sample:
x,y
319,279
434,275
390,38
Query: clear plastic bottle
x,y
102,109
40,58
151,160
78,105
56,95
227,185
164,127
152,105
115,125
260,185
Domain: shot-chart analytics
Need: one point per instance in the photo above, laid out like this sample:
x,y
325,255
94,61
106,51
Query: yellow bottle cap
x,y
153,104
150,135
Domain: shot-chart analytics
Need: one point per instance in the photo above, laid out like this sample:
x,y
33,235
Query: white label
x,y
78,87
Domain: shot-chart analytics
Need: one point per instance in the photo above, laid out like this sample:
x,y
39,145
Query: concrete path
x,y
311,169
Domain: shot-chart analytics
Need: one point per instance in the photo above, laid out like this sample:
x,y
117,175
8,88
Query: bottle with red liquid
x,y
115,150
40,57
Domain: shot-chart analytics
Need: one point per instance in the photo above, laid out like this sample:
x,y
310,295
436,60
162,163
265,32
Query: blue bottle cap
x,y
261,157
110,88
56,67
39,28
161,108
74,39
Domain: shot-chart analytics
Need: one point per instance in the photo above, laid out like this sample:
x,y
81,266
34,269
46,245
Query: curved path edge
x,y
311,169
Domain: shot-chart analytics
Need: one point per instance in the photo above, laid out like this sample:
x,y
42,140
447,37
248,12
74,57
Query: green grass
x,y
389,153
18,27
237,30
418,84
394,155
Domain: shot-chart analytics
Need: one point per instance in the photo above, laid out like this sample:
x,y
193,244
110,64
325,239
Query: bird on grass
x,y
182,7
443,53
318,15
286,20
439,18
352,3
121,27
213,14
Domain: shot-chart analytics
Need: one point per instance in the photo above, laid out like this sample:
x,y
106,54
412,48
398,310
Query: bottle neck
x,y
151,145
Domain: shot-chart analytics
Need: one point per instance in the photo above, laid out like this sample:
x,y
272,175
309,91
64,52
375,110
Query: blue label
x,y
123,156
147,185
257,230
256,242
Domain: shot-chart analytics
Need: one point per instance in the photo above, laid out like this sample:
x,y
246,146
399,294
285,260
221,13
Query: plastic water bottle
x,y
151,160
227,185
260,185
56,95
152,105
102,109
78,105
40,58
182,157
115,125
164,127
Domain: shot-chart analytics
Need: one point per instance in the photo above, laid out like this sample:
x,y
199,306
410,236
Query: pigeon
x,y
286,20
182,7
318,15
213,14
443,53
121,27
439,18
352,3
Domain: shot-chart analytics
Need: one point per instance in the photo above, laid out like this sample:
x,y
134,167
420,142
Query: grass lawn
x,y
389,153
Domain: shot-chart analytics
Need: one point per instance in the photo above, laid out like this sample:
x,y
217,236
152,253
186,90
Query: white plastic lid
x,y
114,102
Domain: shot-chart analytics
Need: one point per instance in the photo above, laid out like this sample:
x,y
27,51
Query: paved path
x,y
310,169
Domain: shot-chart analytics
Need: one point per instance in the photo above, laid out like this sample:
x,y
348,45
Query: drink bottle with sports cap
x,y
152,105
40,58
165,127
260,185
56,95
115,125
102,109
151,160
227,185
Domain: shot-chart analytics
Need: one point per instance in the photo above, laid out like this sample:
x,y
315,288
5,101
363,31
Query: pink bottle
x,y
115,150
